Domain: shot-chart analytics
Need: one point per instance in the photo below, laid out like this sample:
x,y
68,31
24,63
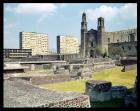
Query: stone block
x,y
130,101
99,96
98,86
118,91
98,90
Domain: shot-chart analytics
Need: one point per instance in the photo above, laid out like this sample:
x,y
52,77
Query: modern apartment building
x,y
38,42
67,44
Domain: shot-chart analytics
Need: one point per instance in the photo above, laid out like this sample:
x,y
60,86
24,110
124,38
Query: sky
x,y
63,19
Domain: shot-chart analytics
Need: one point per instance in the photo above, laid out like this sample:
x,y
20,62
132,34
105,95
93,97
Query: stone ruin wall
x,y
50,79
103,65
120,36
46,79
104,91
128,48
79,102
117,37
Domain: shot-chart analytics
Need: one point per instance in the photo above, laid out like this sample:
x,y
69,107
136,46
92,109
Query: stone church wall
x,y
128,48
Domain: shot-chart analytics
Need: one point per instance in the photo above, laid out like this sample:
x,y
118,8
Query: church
x,y
126,40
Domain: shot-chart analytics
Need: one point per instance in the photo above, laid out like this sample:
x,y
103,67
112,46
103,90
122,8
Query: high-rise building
x,y
38,42
67,44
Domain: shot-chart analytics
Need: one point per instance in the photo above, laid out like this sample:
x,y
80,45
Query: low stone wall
x,y
42,79
128,62
13,71
79,102
50,79
103,65
129,67
33,67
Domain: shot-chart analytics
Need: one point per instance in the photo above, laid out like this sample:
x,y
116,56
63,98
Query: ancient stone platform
x,y
20,93
98,90
104,91
38,79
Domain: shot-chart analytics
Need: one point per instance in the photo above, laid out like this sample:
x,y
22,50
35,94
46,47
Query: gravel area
x,y
20,93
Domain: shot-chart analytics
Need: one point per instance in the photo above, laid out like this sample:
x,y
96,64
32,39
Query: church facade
x,y
92,38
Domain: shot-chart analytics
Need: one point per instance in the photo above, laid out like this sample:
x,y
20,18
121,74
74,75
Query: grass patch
x,y
75,86
114,75
117,77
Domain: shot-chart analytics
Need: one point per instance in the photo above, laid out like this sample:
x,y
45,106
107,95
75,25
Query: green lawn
x,y
76,86
117,77
114,75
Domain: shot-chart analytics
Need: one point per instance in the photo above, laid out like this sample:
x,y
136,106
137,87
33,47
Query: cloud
x,y
104,11
62,5
127,11
41,9
32,8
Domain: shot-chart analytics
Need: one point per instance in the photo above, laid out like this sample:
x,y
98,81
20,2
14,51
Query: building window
x,y
122,47
108,40
117,40
129,47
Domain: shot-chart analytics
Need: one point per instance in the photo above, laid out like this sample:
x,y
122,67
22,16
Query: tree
x,y
100,51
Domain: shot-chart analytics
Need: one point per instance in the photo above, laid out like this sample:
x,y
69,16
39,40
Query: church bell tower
x,y
83,34
101,35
